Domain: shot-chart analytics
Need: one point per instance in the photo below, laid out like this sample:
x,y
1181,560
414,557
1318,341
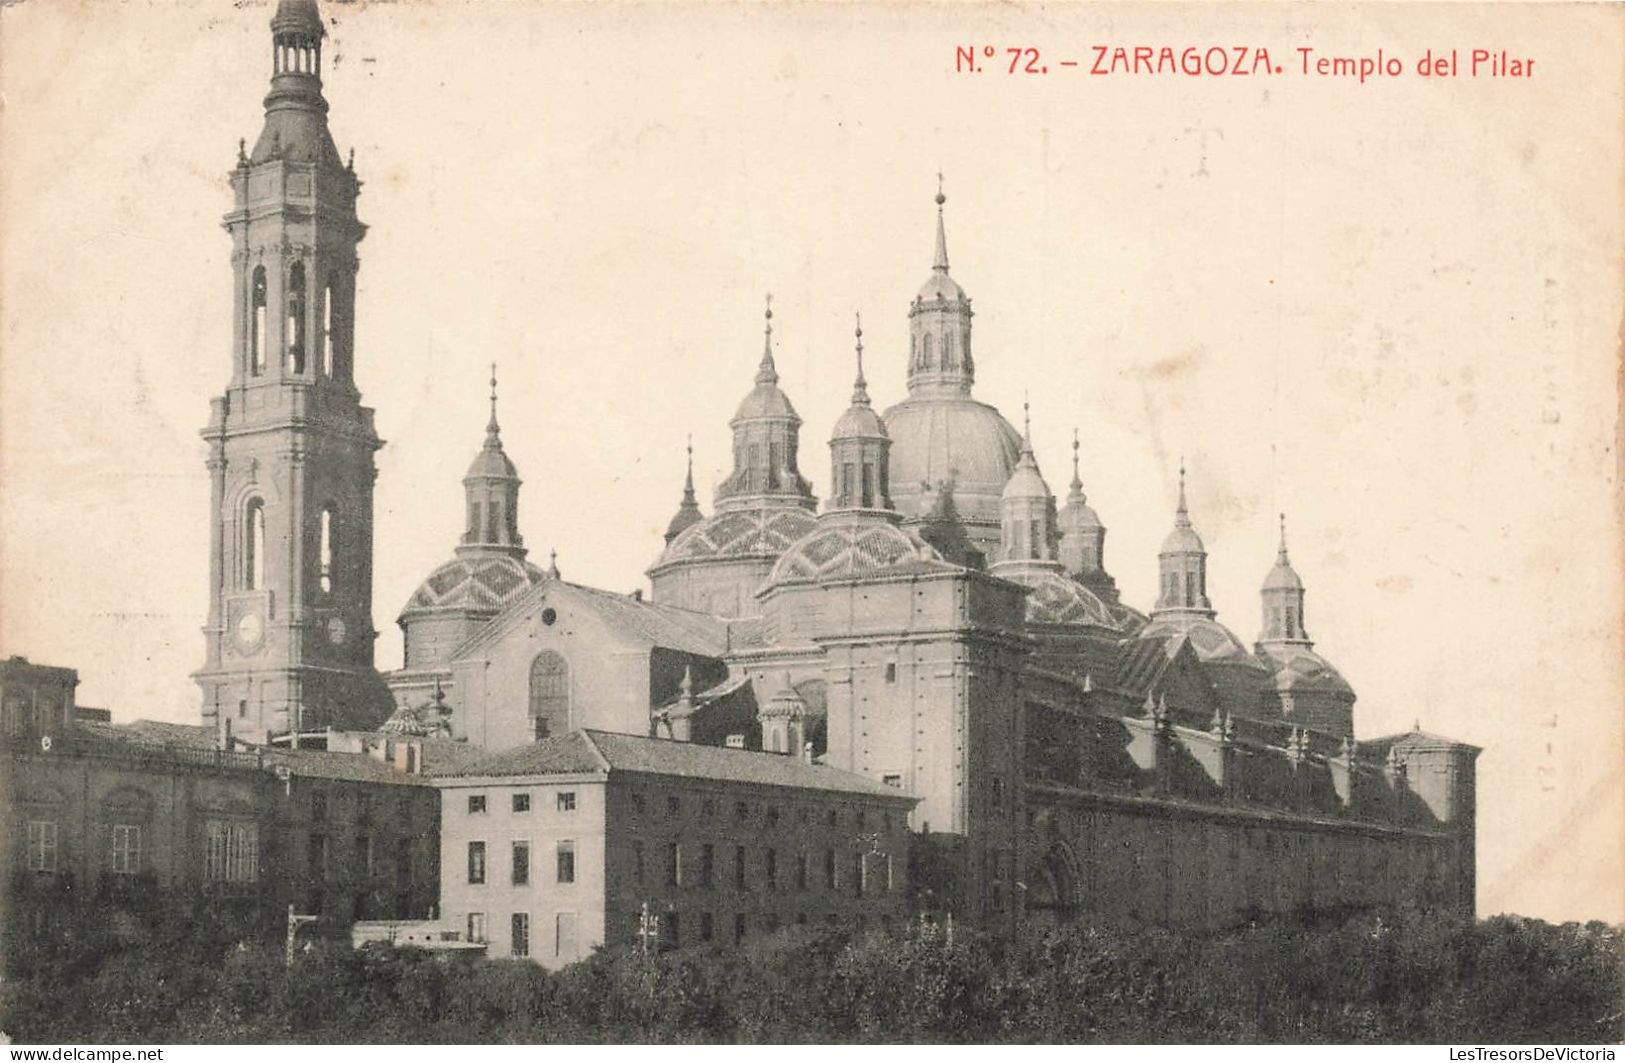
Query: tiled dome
x,y
845,549
481,584
741,533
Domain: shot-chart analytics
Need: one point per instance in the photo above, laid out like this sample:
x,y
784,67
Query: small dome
x,y
1026,482
1283,578
860,421
1183,540
1299,669
940,287
1211,639
685,518
786,702
1080,516
766,401
852,548
407,721
475,583
491,463
1054,599
741,533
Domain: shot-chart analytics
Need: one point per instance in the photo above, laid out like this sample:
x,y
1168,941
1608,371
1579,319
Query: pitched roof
x,y
342,767
606,752
658,625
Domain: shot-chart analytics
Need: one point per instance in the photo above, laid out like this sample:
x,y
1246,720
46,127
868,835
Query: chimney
x,y
224,737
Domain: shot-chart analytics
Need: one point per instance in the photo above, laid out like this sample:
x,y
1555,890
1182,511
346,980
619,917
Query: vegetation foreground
x,y
1370,979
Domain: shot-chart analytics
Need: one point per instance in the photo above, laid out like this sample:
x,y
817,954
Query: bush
x,y
1369,979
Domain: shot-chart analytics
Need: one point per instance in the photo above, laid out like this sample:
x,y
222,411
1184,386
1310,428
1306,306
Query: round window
x,y
549,616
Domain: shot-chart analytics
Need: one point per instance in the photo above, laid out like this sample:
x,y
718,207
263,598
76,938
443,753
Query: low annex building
x,y
594,838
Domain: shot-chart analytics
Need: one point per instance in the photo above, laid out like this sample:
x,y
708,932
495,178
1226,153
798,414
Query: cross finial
x,y
491,427
766,371
860,387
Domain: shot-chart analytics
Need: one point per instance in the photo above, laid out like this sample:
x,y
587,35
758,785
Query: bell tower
x,y
289,637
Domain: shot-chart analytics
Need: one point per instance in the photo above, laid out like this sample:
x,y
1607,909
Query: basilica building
x,y
940,623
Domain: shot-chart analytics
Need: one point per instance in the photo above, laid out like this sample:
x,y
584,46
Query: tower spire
x,y
1280,555
1076,492
1181,514
766,371
940,261
860,387
492,429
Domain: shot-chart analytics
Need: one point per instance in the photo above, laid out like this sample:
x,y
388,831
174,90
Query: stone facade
x,y
592,838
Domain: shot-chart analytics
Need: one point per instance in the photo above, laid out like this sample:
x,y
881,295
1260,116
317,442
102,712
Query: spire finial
x,y
1077,480
688,480
1281,558
492,429
1181,512
767,372
553,563
860,387
940,262
242,151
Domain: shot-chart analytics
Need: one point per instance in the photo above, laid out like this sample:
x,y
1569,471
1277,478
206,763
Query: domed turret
x,y
1083,537
1027,510
858,450
765,429
492,489
1183,563
1283,600
940,433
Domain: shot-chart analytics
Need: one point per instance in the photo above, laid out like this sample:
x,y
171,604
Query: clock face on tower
x,y
250,630
336,631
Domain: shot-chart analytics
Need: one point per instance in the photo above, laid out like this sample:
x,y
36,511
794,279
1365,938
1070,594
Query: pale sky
x,y
1390,309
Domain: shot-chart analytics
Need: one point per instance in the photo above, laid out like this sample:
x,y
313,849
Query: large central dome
x,y
951,437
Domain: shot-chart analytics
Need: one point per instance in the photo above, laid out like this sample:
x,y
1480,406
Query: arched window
x,y
256,324
324,567
1190,588
925,351
549,694
868,486
774,460
493,521
474,510
254,545
947,350
295,340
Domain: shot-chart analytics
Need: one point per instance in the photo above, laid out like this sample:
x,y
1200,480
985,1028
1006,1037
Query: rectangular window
x,y
890,885
476,863
671,933
318,806
567,801
521,802
126,850
637,861
476,804
41,845
739,928
364,852
231,852
476,926
831,879
739,867
892,780
707,865
316,854
521,934
521,863
891,671
674,864
859,867
706,929
564,942
772,869
801,871
566,859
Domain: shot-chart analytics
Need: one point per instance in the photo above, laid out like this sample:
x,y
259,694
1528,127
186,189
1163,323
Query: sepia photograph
x,y
888,522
